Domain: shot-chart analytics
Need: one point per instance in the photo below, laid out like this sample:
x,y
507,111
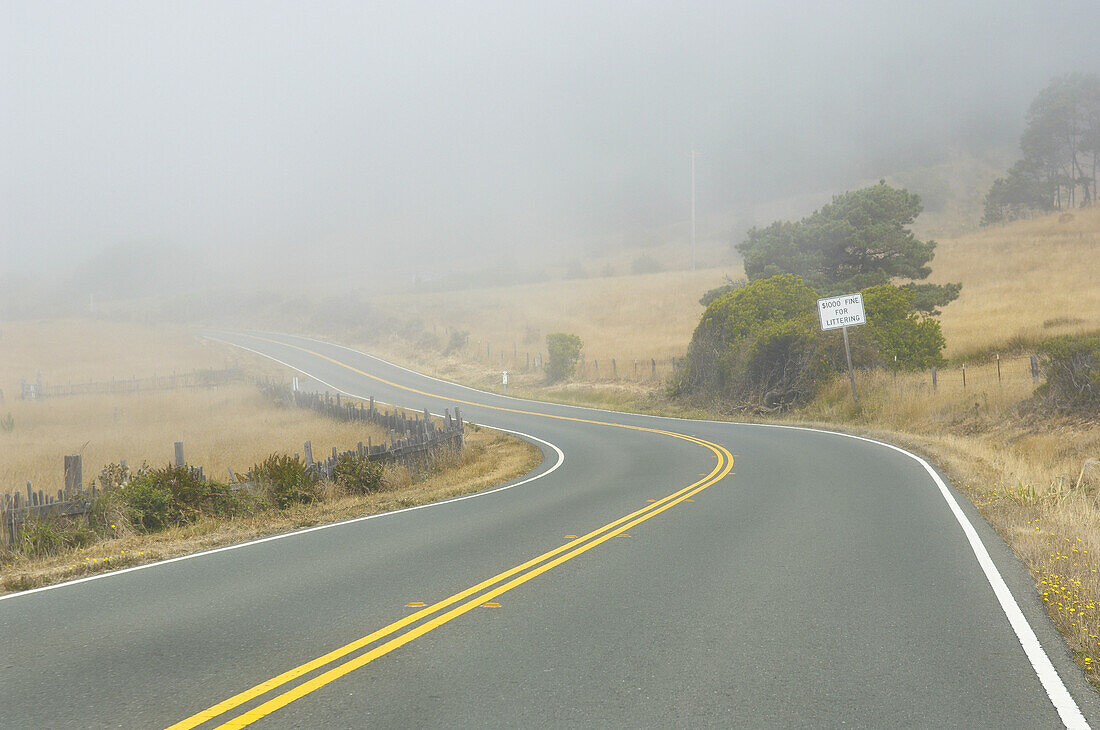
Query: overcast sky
x,y
430,132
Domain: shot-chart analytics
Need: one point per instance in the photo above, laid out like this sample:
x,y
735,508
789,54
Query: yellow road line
x,y
335,673
722,468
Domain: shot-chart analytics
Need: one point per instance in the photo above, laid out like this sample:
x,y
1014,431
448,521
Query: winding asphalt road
x,y
652,572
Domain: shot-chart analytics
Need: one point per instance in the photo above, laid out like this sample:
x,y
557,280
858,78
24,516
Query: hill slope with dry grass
x,y
1021,282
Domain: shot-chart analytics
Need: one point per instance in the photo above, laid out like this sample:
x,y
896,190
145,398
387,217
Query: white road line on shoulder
x,y
1056,690
1048,676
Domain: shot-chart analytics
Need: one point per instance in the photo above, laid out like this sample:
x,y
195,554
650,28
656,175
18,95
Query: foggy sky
x,y
405,136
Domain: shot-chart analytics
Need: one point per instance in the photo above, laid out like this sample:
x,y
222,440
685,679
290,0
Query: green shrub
x,y
760,346
896,331
113,476
718,291
564,352
39,537
756,346
357,474
1071,367
171,496
287,480
456,341
147,504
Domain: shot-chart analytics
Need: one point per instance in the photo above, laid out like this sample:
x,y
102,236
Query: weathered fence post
x,y
614,369
964,376
73,473
653,366
179,453
998,367
308,450
933,378
1035,368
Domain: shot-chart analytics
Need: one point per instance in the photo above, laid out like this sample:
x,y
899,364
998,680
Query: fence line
x,y
607,369
194,379
411,441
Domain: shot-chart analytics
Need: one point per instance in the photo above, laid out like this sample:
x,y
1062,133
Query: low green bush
x,y
40,537
1071,367
287,480
147,505
564,351
357,474
457,341
154,499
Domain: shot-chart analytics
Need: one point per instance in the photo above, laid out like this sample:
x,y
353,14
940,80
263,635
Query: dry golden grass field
x,y
1022,282
229,426
1035,478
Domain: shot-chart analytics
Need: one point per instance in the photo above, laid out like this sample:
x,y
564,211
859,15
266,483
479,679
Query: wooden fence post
x,y
73,473
179,453
308,449
998,368
653,366
933,378
1035,368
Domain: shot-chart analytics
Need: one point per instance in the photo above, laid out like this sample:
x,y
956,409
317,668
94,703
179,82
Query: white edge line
x,y
1055,688
296,533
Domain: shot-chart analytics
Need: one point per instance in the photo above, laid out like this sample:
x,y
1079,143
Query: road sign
x,y
504,378
843,311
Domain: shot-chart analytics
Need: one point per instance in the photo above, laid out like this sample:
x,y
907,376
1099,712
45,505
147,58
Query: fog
x,y
367,140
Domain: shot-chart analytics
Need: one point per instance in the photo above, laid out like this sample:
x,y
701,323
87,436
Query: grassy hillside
x,y
1021,282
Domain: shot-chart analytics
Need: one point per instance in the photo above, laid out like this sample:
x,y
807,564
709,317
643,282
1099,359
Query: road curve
x,y
664,573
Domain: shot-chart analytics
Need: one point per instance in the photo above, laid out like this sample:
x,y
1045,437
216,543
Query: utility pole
x,y
693,207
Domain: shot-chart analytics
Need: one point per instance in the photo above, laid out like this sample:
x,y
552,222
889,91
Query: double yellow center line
x,y
436,615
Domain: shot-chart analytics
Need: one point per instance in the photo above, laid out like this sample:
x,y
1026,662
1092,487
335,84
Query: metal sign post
x,y
851,373
840,313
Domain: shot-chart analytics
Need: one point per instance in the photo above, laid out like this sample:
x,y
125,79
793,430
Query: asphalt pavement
x,y
651,572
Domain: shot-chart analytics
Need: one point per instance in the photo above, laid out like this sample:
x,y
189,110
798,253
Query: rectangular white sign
x,y
843,311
